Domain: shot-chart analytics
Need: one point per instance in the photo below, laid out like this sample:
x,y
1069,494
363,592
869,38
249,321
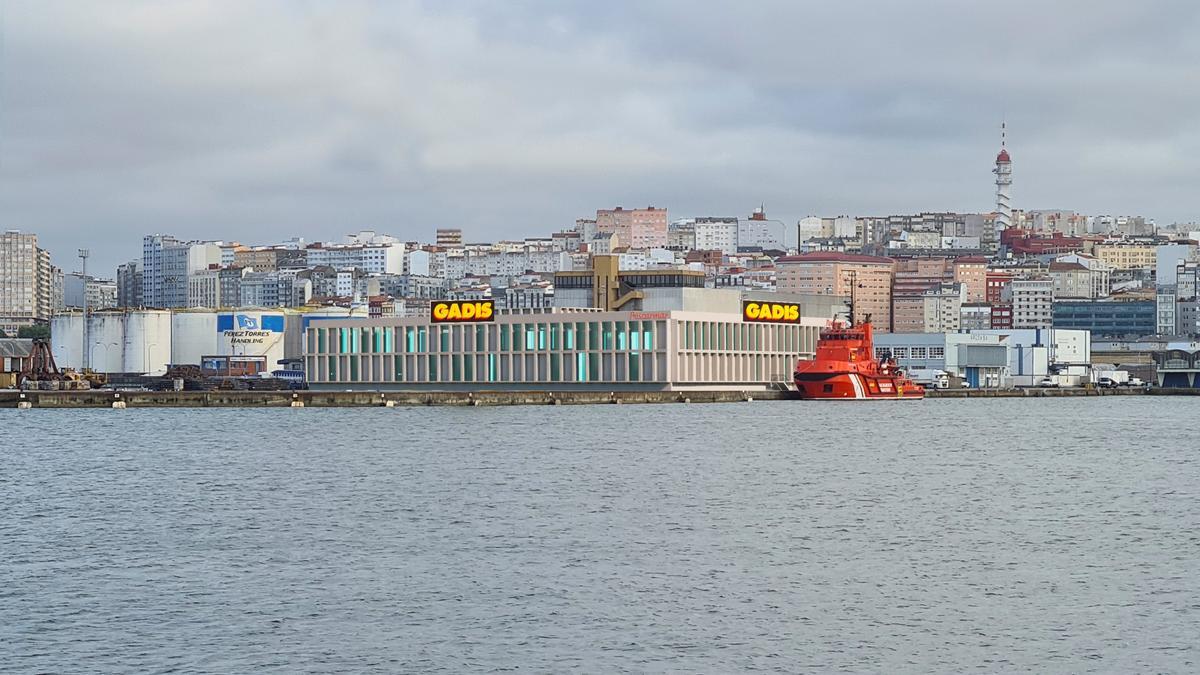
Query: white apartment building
x,y
27,282
1032,303
716,234
943,307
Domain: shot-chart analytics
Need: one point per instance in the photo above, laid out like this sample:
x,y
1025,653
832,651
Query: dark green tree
x,y
39,331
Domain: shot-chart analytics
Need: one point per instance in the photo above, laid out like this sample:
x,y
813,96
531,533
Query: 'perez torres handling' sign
x,y
462,311
770,312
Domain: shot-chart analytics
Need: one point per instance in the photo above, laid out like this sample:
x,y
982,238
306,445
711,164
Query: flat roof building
x,y
558,350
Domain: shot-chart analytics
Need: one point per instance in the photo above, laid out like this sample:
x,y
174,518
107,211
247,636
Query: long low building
x,y
559,350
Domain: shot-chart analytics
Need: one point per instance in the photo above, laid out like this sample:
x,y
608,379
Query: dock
x,y
366,399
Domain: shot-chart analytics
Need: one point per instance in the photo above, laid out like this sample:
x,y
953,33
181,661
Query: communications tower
x,y
1003,173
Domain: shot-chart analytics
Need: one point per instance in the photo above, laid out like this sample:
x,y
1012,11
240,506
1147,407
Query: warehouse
x,y
558,349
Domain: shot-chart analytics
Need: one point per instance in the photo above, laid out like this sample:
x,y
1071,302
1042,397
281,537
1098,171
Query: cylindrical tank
x,y
148,341
106,330
193,335
66,340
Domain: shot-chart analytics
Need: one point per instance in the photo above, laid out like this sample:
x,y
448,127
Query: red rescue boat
x,y
845,367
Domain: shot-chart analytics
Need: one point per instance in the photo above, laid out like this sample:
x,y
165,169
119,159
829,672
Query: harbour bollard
x,y
296,402
389,404
24,405
117,403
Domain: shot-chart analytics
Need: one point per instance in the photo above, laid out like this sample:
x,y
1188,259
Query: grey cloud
x,y
261,120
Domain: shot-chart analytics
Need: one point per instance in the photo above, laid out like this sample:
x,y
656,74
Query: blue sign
x,y
267,322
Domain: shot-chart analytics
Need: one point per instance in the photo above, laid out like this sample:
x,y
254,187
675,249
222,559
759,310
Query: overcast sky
x,y
260,120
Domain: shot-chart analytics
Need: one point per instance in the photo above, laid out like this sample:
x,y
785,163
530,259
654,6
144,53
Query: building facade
x,y
1108,318
27,282
558,351
866,281
1032,303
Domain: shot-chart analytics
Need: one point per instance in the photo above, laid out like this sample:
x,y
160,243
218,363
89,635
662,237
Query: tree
x,y
38,331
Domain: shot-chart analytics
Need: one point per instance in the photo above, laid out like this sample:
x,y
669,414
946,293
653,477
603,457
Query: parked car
x,y
1048,382
1106,383
1136,382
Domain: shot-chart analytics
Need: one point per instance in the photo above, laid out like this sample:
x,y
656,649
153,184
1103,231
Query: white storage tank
x,y
106,333
66,340
148,341
193,335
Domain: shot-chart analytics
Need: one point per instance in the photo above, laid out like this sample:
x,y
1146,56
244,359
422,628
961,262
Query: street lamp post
x,y
146,362
106,345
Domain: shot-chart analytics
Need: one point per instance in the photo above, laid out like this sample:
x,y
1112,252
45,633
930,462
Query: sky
x,y
259,120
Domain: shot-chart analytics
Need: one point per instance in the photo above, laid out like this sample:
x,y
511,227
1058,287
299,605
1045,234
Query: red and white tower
x,y
1003,173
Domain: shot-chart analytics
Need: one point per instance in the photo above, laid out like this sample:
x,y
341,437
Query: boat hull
x,y
855,386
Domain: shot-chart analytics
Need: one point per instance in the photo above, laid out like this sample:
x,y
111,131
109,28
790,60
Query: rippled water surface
x,y
938,536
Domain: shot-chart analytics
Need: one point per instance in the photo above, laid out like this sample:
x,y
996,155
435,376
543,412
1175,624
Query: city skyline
x,y
258,122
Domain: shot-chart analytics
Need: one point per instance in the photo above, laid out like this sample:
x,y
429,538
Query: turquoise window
x,y
332,369
634,374
553,336
593,335
343,340
433,376
399,368
504,341
608,337
531,337
541,336
635,340
491,361
445,339
480,332
648,335
389,340
581,367
354,369
321,340
594,367
456,367
568,336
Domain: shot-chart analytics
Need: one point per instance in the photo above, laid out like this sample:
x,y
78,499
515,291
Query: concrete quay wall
x,y
343,399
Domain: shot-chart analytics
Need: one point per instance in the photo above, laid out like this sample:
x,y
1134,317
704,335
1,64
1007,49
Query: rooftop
x,y
834,256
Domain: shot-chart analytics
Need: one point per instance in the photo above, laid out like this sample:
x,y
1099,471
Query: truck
x,y
930,377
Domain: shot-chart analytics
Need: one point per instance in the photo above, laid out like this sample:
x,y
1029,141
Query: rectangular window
x,y
354,369
918,352
445,339
556,367
568,336
504,341
622,337
343,340
937,352
456,367
531,337
541,338
593,335
433,369
320,340
554,336
480,331
332,369
593,367
422,339
648,335
399,368
389,340
634,370
581,367
608,335
469,368
491,361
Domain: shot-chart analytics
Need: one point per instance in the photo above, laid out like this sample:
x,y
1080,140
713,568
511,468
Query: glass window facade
x,y
557,349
